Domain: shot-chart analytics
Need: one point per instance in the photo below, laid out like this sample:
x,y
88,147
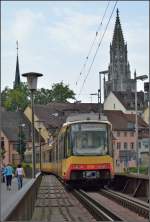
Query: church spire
x,y
119,75
17,75
118,39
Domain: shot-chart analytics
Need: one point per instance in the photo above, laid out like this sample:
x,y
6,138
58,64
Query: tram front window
x,y
89,139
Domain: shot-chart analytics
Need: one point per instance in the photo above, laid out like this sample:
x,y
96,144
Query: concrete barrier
x,y
23,204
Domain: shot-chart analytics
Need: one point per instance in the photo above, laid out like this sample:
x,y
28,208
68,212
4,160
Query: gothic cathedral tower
x,y
119,76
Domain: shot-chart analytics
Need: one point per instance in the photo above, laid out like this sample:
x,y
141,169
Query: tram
x,y
82,152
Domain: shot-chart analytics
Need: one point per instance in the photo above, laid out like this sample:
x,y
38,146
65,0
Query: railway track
x,y
54,204
95,208
139,207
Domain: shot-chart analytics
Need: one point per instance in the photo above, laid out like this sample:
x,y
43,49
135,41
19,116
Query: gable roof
x,y
128,99
121,121
54,114
11,122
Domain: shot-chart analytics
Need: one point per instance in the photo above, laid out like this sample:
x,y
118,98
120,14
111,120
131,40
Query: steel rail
x,y
95,208
131,203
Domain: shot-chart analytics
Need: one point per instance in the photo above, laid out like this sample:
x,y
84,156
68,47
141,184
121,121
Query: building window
x,y
125,133
146,146
125,146
131,125
131,133
118,146
2,142
117,163
139,145
132,145
118,133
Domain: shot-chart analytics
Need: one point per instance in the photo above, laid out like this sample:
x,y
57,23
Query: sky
x,y
55,38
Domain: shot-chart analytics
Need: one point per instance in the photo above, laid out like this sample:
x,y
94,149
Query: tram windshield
x,y
90,139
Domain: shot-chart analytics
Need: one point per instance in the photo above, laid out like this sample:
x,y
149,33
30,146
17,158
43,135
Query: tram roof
x,y
86,121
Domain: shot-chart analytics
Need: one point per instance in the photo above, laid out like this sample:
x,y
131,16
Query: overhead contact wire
x,y
93,42
98,48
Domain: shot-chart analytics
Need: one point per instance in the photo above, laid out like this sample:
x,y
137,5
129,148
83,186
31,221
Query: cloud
x,y
74,32
24,24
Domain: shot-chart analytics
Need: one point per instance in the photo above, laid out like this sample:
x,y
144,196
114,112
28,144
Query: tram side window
x,y
110,135
55,153
50,156
65,145
68,143
61,146
44,157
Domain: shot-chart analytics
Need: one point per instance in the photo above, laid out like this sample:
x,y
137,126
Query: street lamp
x,y
39,126
142,77
32,83
20,143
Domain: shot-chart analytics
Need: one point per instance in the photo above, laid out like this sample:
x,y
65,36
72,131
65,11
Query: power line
x,y
98,48
93,42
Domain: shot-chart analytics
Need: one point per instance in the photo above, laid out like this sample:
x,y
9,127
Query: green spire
x,y
17,75
118,39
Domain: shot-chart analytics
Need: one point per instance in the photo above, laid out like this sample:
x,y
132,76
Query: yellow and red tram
x,y
82,153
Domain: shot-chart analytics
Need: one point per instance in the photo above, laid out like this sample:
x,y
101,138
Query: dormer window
x,y
131,125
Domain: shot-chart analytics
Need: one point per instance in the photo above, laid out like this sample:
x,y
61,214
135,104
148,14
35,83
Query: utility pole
x,y
99,104
100,91
136,126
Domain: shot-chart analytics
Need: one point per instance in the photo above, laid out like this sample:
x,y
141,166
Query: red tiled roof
x,y
55,114
141,122
120,120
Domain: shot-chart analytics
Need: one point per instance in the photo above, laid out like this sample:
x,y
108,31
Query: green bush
x,y
142,170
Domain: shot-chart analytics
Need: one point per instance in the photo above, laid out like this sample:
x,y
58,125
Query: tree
x,y
19,98
21,145
43,96
16,99
61,92
58,93
2,153
2,150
